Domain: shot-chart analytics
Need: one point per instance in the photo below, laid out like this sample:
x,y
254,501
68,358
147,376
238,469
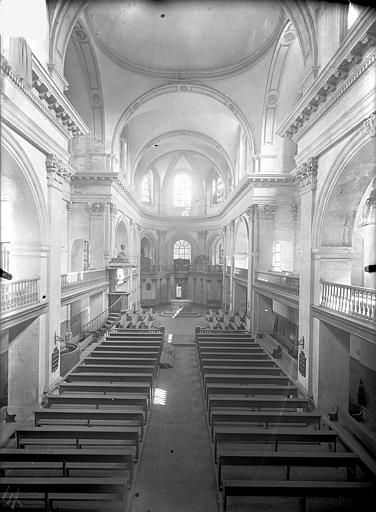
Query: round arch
x,y
358,142
186,88
241,243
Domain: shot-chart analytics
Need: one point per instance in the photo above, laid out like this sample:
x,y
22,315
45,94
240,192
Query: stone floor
x,y
176,472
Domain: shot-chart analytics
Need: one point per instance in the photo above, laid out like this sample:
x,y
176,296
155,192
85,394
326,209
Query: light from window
x,y
182,191
218,190
182,250
147,187
178,291
352,15
276,264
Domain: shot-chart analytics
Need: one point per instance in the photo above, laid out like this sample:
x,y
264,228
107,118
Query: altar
x,y
178,305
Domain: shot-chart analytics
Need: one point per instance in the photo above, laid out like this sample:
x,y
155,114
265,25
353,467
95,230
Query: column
x,y
110,224
69,206
224,265
306,179
58,176
232,263
97,234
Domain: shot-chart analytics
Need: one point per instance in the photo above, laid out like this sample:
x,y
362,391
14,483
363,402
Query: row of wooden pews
x,y
79,451
263,428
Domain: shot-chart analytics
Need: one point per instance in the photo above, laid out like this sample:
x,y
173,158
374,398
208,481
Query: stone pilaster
x,y
251,215
306,180
97,234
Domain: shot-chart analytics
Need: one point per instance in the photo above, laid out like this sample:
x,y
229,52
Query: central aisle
x,y
176,472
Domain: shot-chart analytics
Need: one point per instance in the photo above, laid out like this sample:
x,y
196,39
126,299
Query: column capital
x,y
306,175
69,206
113,209
57,171
267,211
251,211
97,209
370,125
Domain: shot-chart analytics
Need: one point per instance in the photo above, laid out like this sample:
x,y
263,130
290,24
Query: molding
x,y
224,72
284,298
370,125
267,211
83,292
347,323
11,318
332,253
339,74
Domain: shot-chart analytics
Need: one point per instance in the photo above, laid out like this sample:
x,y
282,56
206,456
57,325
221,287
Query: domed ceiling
x,y
186,38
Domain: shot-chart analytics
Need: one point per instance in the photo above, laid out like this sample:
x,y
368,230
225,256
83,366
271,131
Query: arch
x,y
193,134
26,167
121,235
215,248
358,141
148,251
177,87
241,243
181,235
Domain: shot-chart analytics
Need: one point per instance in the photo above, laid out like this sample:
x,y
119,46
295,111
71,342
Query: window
x,y
276,265
147,187
218,190
182,191
182,250
178,290
353,13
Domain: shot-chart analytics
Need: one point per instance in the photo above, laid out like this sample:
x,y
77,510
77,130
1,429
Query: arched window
x,y
182,252
147,187
218,190
182,191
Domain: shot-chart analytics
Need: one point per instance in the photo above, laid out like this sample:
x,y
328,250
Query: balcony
x,y
280,281
19,294
351,300
78,282
170,269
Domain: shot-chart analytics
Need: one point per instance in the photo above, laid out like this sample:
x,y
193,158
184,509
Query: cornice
x,y
48,99
247,183
352,59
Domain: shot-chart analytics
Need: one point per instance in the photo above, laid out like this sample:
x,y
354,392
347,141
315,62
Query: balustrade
x,y
279,280
201,268
74,280
17,294
351,300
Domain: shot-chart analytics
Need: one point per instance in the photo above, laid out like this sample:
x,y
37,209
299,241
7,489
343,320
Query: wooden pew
x,y
127,348
66,458
236,402
78,435
231,351
149,369
95,490
226,344
128,343
250,390
224,416
228,457
110,377
239,435
117,361
242,370
120,354
231,361
302,489
228,356
282,380
99,400
106,387
131,415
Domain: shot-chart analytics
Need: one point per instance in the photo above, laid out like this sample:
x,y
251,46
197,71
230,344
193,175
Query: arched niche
x,y
121,237
80,255
22,215
148,252
241,244
216,249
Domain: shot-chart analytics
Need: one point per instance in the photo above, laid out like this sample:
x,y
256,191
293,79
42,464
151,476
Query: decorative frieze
x,y
370,125
97,208
57,171
306,175
267,211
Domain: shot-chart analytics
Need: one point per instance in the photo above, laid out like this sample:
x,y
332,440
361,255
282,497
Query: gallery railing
x,y
75,280
201,268
351,300
279,280
18,294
